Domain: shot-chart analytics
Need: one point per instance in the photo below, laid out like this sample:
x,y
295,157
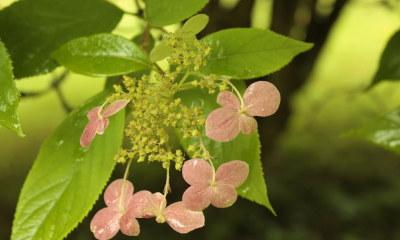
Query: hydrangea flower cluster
x,y
153,107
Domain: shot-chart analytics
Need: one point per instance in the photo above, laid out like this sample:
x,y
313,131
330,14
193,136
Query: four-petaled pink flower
x,y
106,223
99,120
176,215
260,99
220,192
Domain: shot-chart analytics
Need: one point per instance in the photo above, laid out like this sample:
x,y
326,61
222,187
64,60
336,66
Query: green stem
x,y
208,156
165,189
184,78
123,186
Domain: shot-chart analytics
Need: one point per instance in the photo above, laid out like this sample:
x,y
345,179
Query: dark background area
x,y
321,185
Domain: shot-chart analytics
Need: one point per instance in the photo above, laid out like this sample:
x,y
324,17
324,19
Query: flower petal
x,y
222,124
105,224
89,132
197,198
261,99
247,124
102,127
129,225
114,107
197,172
181,219
233,173
94,113
139,201
223,195
113,194
228,99
155,208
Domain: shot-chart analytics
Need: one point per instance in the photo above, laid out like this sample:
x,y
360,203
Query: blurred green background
x,y
321,185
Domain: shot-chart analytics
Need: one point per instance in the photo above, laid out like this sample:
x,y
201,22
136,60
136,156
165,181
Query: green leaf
x,y
67,179
32,29
160,52
383,131
161,13
249,53
195,24
389,65
9,94
243,147
102,54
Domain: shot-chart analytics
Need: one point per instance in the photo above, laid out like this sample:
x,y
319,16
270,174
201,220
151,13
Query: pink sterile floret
x,y
220,192
99,120
106,223
176,215
260,99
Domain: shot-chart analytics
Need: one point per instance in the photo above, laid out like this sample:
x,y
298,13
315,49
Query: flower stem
x,y
123,186
208,155
165,189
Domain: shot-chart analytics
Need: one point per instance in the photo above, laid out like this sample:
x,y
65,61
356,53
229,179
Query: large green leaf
x,y
9,94
32,29
243,147
102,55
383,131
161,13
249,53
66,179
389,65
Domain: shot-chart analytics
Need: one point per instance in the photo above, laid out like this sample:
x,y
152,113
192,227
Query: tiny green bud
x,y
195,133
205,155
141,159
191,148
186,135
196,155
195,83
165,164
178,152
178,166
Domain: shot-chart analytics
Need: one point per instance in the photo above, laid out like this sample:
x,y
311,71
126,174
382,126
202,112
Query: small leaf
x,y
9,94
244,147
195,24
32,29
160,52
249,53
67,179
161,13
383,131
102,55
389,65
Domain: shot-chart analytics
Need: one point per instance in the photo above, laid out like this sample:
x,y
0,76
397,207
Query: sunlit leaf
x,y
161,13
389,65
249,53
195,24
66,179
32,29
244,147
102,55
9,94
160,52
383,131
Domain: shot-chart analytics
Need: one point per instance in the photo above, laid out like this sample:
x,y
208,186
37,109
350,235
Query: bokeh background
x,y
322,186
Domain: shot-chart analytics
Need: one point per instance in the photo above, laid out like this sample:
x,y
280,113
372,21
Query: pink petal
x,y
197,172
197,198
138,203
233,173
105,224
223,195
114,107
102,127
89,132
155,208
247,124
228,99
113,193
261,99
129,225
94,113
222,124
181,219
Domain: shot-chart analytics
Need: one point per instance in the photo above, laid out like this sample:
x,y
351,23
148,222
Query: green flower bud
x,y
195,133
178,166
191,148
165,164
178,152
195,83
196,155
121,160
186,135
141,159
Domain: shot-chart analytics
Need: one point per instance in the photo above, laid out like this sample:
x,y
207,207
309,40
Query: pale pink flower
x,y
260,99
220,192
99,120
108,221
176,215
